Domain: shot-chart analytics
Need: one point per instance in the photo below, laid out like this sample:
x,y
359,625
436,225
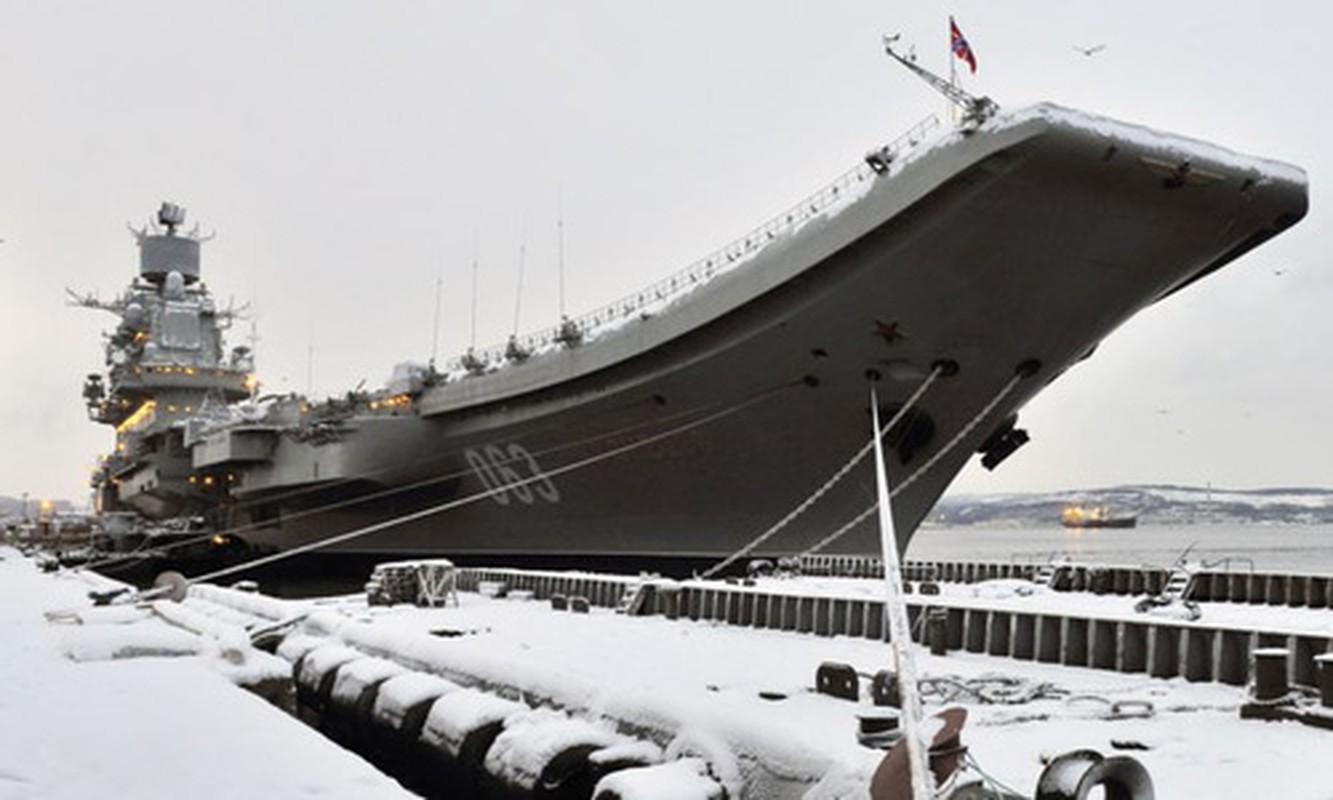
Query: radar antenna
x,y
976,110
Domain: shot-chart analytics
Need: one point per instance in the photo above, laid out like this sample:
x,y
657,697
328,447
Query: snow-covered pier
x,y
499,689
1015,618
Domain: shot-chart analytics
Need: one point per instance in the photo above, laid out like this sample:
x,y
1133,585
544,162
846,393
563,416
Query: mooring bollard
x,y
884,690
1270,673
836,679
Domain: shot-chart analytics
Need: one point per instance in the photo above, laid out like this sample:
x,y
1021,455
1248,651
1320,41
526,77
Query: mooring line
x,y
828,484
462,501
388,492
930,462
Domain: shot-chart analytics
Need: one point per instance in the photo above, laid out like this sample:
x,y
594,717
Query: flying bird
x,y
1090,51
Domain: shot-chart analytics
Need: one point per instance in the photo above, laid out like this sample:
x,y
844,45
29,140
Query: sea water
x,y
1303,549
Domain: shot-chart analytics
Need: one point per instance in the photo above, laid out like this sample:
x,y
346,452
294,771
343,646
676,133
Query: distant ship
x,y
1080,516
971,265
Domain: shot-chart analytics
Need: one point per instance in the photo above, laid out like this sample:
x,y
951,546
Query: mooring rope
x,y
932,461
372,496
472,498
828,484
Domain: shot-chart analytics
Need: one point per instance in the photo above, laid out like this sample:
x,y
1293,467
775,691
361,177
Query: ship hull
x,y
1001,258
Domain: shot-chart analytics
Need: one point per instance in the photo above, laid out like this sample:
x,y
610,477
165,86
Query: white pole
x,y
899,631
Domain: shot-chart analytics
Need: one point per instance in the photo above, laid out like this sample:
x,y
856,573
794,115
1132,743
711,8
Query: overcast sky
x,y
348,153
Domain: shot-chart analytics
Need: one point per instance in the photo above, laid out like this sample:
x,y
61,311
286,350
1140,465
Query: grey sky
x,y
346,152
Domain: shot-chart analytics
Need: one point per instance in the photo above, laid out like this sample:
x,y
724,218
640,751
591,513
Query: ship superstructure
x,y
167,367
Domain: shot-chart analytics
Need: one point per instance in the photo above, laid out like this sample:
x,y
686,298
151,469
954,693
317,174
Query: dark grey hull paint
x,y
1024,244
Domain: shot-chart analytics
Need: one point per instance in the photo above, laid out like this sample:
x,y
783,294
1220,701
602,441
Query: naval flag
x,y
958,44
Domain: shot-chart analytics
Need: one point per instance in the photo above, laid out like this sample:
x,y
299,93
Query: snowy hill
x,y
1154,505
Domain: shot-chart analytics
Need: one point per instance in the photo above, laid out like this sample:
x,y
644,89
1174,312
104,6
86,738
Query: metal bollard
x,y
1270,673
884,689
838,680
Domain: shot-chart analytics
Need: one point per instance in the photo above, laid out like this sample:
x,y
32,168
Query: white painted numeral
x,y
511,470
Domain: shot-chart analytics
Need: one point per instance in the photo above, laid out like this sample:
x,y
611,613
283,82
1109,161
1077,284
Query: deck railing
x,y
703,270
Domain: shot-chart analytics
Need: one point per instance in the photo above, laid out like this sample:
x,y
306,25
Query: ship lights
x,y
140,414
391,402
1076,514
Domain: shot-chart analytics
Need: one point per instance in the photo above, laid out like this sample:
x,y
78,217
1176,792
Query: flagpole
x,y
953,72
953,81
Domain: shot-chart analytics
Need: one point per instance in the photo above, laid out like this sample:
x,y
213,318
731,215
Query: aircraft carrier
x,y
957,271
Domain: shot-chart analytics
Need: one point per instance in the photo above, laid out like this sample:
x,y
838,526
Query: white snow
x,y
322,660
529,742
143,727
1150,139
685,779
354,677
400,693
153,726
457,714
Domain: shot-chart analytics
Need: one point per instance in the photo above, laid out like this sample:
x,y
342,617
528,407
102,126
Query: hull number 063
x,y
511,471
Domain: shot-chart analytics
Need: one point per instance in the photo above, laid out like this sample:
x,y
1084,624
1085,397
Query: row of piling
x,y
1160,647
1270,588
1274,589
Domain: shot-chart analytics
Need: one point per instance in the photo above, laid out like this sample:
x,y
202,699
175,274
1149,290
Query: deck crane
x,y
976,110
